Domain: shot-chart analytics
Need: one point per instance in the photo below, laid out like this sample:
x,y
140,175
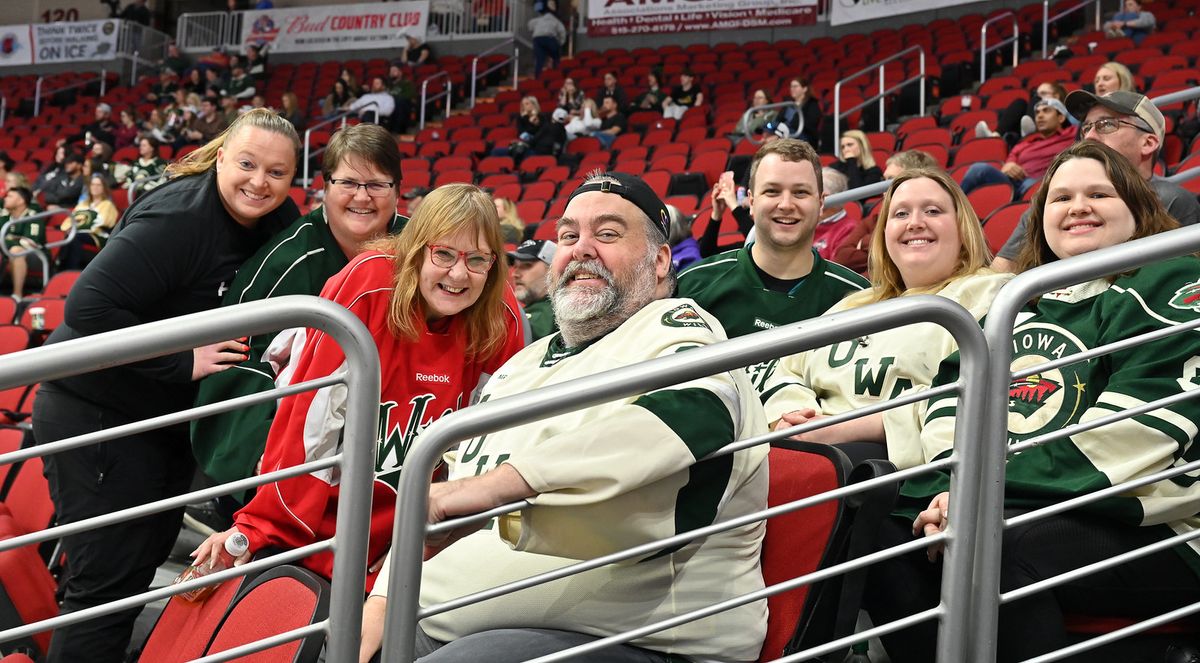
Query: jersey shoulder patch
x,y
684,315
1187,298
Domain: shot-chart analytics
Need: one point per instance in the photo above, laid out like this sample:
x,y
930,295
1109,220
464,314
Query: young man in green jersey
x,y
778,278
530,263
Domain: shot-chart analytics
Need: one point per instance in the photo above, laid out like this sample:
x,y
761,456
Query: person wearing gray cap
x,y
1028,159
1131,124
586,471
530,264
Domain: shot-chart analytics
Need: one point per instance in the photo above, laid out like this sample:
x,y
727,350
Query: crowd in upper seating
x,y
466,300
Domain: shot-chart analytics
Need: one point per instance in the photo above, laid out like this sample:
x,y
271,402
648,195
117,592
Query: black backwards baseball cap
x,y
633,189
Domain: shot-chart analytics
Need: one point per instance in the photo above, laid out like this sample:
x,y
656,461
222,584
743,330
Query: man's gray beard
x,y
584,314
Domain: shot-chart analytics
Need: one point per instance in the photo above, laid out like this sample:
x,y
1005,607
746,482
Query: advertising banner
x,y
851,11
75,42
633,17
336,27
16,45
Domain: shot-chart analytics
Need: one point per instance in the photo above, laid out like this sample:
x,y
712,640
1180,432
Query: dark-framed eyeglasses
x,y
447,257
374,189
1108,125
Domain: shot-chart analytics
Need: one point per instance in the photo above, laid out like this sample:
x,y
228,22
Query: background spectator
x,y
835,224
570,97
94,217
858,161
1131,22
512,228
289,108
341,96
683,96
584,123
21,237
548,37
1113,76
654,95
416,52
801,120
612,122
1028,159
757,121
612,89
65,187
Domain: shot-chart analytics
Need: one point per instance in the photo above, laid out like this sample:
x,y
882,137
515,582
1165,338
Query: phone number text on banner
x,y
851,11
336,27
631,17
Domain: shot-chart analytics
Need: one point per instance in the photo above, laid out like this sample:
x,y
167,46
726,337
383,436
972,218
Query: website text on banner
x,y
851,11
336,27
16,45
631,17
82,41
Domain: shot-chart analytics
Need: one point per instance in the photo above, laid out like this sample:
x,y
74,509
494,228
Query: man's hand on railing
x,y
463,497
218,357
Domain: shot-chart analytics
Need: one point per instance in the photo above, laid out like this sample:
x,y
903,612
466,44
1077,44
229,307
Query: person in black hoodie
x,y
174,252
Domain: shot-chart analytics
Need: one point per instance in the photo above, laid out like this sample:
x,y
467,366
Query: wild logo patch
x,y
1187,298
684,315
1049,399
1028,394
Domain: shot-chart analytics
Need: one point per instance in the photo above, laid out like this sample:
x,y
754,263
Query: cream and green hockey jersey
x,y
1073,320
876,368
610,477
728,286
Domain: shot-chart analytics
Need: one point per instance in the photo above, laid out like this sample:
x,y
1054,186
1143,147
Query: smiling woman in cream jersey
x,y
928,241
435,299
779,279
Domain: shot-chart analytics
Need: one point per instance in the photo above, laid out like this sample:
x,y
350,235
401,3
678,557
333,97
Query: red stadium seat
x,y
990,197
999,225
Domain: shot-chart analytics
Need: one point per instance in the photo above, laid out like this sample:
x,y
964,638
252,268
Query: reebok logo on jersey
x,y
763,324
427,377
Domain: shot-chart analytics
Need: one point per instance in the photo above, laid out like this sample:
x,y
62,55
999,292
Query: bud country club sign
x,y
336,27
632,17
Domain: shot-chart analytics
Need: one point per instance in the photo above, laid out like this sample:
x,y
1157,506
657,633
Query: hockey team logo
x,y
1028,394
396,435
1187,298
684,316
1049,399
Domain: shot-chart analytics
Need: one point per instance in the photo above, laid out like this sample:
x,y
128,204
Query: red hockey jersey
x,y
421,382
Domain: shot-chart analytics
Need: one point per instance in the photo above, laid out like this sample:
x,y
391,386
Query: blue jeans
x,y
545,47
606,139
982,173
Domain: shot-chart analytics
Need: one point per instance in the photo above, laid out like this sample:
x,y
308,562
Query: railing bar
x,y
1132,629
321,627
166,592
735,602
1083,571
1099,422
657,546
199,412
1109,348
1095,496
166,504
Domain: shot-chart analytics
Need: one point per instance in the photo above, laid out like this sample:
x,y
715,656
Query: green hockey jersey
x,y
728,286
1072,320
297,261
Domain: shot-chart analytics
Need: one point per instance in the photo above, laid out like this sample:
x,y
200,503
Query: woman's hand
x,y
218,357
934,520
210,550
798,417
718,202
374,611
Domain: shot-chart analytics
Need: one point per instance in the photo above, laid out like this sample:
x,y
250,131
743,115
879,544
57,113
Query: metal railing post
x,y
983,47
3,109
1047,19
883,91
342,117
37,96
475,75
425,94
103,81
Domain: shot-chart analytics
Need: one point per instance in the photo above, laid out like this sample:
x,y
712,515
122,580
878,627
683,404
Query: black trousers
x,y
119,560
1032,626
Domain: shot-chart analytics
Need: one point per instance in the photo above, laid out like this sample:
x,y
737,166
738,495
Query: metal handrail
x,y
1047,19
37,89
41,251
309,153
1015,40
745,121
515,60
881,96
3,109
993,428
357,458
425,99
403,604
1176,97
